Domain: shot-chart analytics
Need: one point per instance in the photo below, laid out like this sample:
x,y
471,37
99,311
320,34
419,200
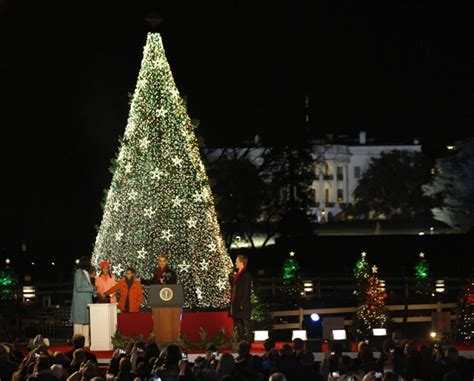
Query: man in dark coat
x,y
240,308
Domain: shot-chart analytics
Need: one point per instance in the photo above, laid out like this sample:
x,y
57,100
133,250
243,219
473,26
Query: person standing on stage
x,y
163,274
81,298
104,282
131,292
240,308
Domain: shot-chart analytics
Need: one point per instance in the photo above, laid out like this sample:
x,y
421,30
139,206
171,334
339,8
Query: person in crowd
x,y
125,370
367,360
114,363
78,342
131,292
86,372
105,281
163,273
288,364
81,298
7,367
308,371
58,372
240,306
269,357
412,362
151,350
298,348
42,369
330,362
211,360
277,377
78,359
170,369
226,365
244,367
141,372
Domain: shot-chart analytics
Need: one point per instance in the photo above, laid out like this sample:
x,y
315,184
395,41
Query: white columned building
x,y
338,168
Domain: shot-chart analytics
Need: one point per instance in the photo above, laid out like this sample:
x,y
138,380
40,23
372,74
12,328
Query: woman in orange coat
x,y
131,293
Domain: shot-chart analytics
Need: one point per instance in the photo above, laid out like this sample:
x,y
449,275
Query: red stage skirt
x,y
141,323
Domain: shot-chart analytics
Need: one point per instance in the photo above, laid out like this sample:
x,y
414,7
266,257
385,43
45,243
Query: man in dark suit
x,y
240,307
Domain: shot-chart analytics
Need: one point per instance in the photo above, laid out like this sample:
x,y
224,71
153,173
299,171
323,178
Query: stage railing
x,y
347,312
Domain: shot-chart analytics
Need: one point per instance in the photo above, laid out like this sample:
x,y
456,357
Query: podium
x,y
103,324
166,302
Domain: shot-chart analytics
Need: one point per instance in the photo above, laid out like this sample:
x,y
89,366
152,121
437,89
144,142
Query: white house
x,y
338,168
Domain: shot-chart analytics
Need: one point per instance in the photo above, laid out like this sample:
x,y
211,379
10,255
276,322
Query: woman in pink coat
x,y
105,281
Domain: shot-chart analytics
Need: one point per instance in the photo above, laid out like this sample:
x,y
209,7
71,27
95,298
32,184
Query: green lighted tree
x,y
291,268
422,269
422,275
361,273
371,312
8,283
160,200
261,316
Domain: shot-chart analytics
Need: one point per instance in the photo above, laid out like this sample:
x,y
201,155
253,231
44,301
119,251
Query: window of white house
x,y
356,172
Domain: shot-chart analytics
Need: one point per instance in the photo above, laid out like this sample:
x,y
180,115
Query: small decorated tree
x,y
465,320
8,283
361,273
290,274
422,275
371,312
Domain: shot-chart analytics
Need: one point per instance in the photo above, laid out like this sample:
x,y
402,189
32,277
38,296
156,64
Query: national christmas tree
x,y
160,201
465,320
371,311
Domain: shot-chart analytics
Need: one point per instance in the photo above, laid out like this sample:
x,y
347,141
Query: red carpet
x,y
140,323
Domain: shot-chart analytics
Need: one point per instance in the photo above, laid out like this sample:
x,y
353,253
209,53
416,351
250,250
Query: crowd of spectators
x,y
398,360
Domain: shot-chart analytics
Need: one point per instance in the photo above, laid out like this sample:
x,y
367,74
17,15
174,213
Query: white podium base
x,y
103,318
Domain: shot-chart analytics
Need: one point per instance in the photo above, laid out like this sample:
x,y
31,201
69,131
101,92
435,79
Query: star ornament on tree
x,y
374,269
132,195
197,197
205,265
116,206
161,112
422,255
177,161
221,284
192,222
128,168
144,143
212,247
176,202
149,212
184,267
156,174
141,253
166,235
119,236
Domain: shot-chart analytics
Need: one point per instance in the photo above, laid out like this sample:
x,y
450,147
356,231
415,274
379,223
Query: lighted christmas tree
x,y
371,312
422,272
8,284
465,320
160,201
290,269
361,273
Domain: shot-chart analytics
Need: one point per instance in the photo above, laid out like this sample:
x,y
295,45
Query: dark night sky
x,y
398,70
